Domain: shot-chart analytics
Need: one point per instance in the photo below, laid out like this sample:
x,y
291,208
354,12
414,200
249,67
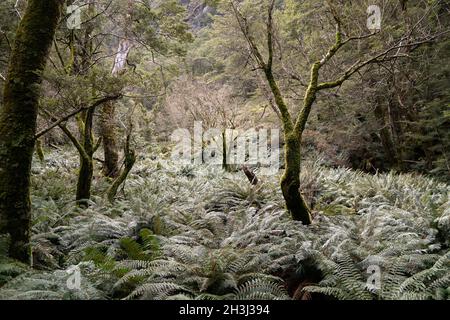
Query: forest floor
x,y
197,232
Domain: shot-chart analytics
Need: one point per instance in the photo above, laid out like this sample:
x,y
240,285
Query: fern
x,y
201,233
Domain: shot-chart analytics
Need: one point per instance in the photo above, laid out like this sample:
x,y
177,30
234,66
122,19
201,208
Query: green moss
x,y
108,133
285,115
290,182
18,116
40,151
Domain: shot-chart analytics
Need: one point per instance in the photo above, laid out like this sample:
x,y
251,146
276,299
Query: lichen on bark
x,y
18,116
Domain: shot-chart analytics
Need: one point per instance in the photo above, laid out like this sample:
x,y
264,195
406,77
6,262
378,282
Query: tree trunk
x,y
386,137
130,159
251,176
86,172
397,132
85,179
18,120
107,124
290,182
107,121
225,164
40,151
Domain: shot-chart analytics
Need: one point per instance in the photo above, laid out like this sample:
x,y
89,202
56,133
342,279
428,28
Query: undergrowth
x,y
197,232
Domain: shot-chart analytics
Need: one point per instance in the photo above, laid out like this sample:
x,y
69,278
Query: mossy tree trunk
x,y
82,53
86,150
293,130
108,125
385,136
18,117
86,172
86,147
290,181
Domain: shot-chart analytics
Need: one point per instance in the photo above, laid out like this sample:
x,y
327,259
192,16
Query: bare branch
x,y
17,10
381,57
74,113
267,67
69,134
242,21
270,34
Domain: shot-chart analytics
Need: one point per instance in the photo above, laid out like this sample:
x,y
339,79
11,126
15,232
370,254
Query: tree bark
x,y
251,176
130,159
107,124
86,160
290,181
18,117
385,136
225,164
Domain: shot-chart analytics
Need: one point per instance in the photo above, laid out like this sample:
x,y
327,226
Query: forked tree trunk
x,y
86,149
293,130
290,181
18,117
386,137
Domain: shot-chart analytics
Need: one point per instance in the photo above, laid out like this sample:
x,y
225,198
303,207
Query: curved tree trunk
x,y
86,172
130,159
18,117
290,181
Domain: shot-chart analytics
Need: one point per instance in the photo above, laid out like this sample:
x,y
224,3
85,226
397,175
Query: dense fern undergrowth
x,y
201,233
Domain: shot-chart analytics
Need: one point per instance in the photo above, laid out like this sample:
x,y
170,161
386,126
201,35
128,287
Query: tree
x,y
214,105
86,145
294,127
160,30
107,121
6,36
18,116
80,76
82,55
